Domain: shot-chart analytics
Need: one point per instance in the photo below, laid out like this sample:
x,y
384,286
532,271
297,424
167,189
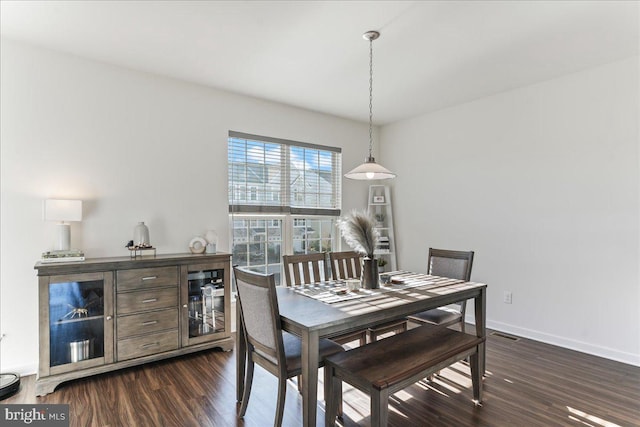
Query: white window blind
x,y
271,175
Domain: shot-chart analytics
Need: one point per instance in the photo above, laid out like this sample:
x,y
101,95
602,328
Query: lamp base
x,y
63,242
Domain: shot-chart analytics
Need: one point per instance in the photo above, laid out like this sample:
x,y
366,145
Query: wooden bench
x,y
387,366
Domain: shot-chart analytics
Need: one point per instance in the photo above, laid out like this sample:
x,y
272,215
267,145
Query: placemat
x,y
333,291
405,280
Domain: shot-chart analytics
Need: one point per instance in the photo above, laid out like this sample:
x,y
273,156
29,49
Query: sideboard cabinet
x,y
103,314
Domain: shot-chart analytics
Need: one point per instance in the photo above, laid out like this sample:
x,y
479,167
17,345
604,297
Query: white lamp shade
x,y
370,170
62,210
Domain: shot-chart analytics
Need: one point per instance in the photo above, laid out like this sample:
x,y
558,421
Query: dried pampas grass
x,y
358,230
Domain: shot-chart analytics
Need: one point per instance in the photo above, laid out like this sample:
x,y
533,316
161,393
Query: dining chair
x,y
304,269
278,352
454,265
346,265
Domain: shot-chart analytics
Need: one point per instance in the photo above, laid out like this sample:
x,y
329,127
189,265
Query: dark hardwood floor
x,y
527,384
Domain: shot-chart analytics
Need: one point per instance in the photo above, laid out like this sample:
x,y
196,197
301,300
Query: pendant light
x,y
370,169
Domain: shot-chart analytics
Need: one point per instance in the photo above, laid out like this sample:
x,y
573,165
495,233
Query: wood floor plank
x,y
528,384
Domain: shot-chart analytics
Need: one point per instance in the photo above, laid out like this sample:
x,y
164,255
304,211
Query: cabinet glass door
x,y
76,321
206,302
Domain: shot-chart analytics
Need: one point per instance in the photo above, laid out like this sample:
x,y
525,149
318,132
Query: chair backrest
x,y
452,264
260,316
345,265
304,268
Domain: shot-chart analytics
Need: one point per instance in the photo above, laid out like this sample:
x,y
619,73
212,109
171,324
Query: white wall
x,y
543,183
134,147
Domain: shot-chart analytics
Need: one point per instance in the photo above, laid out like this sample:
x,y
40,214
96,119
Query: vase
x,y
369,273
212,241
141,235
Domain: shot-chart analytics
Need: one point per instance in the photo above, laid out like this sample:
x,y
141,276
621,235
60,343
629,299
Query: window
x,y
284,197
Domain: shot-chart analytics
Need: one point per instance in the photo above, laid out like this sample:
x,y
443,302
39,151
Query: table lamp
x,y
63,211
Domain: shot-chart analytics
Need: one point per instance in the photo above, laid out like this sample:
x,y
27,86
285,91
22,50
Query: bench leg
x,y
476,376
379,407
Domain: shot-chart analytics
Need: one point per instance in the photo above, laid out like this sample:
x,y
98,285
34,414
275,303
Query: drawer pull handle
x,y
149,323
145,301
150,278
153,344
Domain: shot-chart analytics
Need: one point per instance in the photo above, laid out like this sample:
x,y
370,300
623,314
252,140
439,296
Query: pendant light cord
x,y
370,97
370,169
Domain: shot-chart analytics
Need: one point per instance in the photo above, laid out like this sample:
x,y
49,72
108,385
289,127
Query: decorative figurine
x,y
78,311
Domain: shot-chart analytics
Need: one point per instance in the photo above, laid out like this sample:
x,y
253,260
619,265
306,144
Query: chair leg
x,y
332,397
329,419
372,337
248,381
363,338
282,393
338,387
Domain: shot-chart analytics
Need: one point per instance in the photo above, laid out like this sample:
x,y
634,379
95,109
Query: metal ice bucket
x,y
79,350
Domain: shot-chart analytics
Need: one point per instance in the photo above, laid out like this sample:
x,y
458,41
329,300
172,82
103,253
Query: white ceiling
x,y
311,54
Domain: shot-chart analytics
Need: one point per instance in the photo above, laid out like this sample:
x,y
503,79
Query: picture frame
x,y
378,199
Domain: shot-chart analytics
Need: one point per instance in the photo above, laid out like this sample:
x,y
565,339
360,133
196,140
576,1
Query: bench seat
x,y
387,366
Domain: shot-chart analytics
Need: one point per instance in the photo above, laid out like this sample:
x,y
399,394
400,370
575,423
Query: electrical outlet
x,y
507,297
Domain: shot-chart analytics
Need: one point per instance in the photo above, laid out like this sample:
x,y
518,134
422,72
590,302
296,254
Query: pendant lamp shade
x,y
370,170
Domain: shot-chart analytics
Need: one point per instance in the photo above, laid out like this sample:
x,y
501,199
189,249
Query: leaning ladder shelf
x,y
380,207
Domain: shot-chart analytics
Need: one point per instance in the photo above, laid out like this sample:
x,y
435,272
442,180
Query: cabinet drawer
x,y
152,299
138,324
146,277
151,344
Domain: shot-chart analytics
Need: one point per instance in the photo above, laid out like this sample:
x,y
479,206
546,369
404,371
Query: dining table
x,y
329,308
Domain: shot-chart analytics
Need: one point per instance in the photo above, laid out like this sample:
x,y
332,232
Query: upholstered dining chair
x,y
346,265
309,268
275,350
454,265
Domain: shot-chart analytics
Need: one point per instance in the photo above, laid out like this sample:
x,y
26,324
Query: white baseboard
x,y
23,370
584,347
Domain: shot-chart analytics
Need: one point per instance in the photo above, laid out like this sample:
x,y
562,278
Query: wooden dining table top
x,y
299,311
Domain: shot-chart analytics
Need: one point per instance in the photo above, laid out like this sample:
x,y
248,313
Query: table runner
x,y
334,291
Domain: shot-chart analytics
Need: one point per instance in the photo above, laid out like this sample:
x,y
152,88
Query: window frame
x,y
286,209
